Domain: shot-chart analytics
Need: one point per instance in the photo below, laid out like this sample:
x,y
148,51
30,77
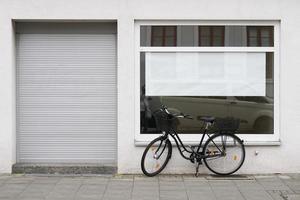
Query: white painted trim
x,y
206,49
261,139
246,143
222,22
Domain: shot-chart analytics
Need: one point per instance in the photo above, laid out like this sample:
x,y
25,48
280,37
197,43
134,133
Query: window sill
x,y
247,143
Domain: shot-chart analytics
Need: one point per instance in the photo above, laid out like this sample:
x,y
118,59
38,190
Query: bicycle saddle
x,y
207,119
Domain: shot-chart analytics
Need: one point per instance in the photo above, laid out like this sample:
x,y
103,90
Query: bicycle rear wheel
x,y
224,153
156,156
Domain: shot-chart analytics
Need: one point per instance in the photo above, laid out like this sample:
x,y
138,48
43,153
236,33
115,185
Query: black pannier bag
x,y
228,124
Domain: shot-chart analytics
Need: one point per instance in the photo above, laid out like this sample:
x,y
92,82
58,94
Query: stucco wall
x,y
283,158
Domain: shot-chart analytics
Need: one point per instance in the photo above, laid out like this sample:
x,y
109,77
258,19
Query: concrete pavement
x,y
137,187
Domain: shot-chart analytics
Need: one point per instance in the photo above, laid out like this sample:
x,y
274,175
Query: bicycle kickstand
x,y
197,169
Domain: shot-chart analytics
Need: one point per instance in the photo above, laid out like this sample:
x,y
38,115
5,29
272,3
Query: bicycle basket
x,y
228,124
165,122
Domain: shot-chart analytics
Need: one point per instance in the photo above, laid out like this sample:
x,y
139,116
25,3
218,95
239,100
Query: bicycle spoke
x,y
155,157
232,154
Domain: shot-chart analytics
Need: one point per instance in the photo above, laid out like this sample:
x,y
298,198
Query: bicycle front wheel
x,y
156,156
224,153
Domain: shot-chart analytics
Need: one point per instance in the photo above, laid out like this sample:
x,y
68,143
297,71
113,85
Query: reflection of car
x,y
255,113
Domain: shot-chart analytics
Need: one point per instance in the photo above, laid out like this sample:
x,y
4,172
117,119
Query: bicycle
x,y
223,153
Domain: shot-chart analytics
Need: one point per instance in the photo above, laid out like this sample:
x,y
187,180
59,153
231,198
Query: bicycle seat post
x,y
207,124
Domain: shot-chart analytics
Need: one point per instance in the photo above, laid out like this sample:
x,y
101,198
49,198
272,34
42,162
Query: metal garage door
x,y
66,93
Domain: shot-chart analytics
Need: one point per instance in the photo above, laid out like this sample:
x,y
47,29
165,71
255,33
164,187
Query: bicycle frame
x,y
198,154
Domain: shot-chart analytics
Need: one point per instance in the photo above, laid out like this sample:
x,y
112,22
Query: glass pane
x,y
157,41
252,32
218,31
255,112
269,69
218,41
265,33
170,41
170,31
264,36
265,42
252,42
204,41
204,31
157,31
187,36
237,36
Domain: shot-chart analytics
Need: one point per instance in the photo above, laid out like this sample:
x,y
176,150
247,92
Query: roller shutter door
x,y
66,96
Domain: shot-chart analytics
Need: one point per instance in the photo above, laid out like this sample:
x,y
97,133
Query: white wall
x,y
283,158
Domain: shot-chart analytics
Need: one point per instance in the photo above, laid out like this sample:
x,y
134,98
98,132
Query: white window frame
x,y
250,139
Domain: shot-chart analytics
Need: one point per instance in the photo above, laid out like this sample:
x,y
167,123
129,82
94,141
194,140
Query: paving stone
x,y
145,178
46,180
145,198
93,191
173,195
30,198
248,184
278,195
5,176
293,184
20,180
122,196
36,191
11,190
70,180
209,196
225,194
293,197
172,187
255,194
64,191
145,189
170,178
95,181
273,183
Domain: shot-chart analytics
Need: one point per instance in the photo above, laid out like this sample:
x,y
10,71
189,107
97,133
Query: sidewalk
x,y
173,187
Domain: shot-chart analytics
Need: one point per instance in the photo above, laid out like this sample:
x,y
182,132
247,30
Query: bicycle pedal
x,y
199,162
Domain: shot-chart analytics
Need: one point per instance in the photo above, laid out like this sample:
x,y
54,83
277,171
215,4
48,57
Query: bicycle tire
x,y
167,147
209,160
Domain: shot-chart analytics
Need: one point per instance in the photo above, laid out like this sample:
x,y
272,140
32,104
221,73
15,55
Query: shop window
x,y
202,79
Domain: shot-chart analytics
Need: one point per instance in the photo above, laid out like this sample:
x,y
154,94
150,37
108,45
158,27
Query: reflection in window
x,y
253,99
211,35
260,36
269,63
189,36
163,35
255,112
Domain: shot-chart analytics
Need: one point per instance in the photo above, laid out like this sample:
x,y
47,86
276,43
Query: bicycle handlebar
x,y
181,115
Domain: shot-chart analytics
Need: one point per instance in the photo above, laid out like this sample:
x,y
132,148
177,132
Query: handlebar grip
x,y
188,117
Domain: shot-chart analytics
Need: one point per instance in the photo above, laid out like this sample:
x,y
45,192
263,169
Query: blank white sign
x,y
205,74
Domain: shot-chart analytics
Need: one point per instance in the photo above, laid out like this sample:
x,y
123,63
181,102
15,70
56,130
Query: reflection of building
x,y
207,36
71,73
231,36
